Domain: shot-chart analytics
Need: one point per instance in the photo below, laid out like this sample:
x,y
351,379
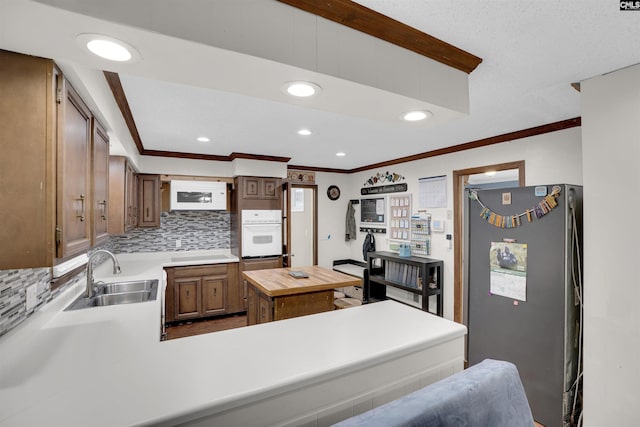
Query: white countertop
x,y
105,366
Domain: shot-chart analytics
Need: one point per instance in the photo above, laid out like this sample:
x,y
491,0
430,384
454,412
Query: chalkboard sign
x,y
372,211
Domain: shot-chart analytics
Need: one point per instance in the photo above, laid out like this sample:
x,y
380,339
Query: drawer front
x,y
204,270
288,306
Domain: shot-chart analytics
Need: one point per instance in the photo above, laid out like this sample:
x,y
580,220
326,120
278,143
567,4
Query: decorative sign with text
x,y
393,188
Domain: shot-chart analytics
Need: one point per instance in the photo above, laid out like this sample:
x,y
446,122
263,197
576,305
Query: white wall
x,y
550,158
611,151
332,217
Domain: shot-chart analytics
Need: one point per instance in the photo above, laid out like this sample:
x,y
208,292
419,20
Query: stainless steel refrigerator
x,y
524,291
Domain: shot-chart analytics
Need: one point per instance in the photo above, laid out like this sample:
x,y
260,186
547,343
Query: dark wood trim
x,y
159,153
229,158
458,193
234,156
576,86
317,169
113,79
511,136
368,21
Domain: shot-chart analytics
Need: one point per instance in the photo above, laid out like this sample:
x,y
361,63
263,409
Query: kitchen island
x,y
106,366
275,294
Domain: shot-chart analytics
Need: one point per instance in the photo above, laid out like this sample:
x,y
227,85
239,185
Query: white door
x,y
302,202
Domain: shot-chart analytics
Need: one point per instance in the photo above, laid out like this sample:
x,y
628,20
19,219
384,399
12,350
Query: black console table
x,y
417,275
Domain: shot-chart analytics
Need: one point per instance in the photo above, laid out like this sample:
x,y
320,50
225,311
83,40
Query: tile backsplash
x,y
196,230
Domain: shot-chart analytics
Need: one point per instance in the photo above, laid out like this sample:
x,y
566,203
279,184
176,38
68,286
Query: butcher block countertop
x,y
277,281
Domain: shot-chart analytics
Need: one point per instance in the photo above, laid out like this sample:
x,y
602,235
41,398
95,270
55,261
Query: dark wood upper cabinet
x,y
259,188
149,202
75,200
29,135
100,166
123,195
52,175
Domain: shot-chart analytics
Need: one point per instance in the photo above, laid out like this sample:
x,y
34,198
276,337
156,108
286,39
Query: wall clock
x,y
333,192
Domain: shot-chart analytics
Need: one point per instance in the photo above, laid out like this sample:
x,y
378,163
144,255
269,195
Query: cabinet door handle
x,y
104,210
81,216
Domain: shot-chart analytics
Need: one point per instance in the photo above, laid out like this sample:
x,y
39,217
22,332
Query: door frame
x,y
458,225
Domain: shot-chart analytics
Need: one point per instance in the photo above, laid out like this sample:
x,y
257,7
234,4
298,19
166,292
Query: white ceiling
x,y
532,51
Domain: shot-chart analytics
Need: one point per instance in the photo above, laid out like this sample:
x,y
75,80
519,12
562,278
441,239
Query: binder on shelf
x,y
420,277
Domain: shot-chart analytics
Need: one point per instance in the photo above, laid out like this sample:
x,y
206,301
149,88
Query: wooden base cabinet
x,y
263,308
255,264
195,292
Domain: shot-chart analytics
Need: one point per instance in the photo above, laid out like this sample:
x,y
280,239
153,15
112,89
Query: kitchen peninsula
x,y
106,366
276,294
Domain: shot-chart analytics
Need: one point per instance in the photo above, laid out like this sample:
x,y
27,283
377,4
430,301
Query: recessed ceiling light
x,y
415,116
304,132
301,89
490,173
203,139
341,154
108,47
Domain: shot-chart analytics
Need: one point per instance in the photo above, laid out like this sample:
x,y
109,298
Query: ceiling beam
x,y
368,21
113,79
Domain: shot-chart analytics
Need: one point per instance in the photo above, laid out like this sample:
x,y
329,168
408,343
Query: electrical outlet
x,y
32,297
178,243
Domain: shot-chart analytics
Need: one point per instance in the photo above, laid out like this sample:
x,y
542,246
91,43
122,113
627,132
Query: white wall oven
x,y
261,233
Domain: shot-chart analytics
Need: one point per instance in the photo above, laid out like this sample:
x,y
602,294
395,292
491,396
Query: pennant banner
x,y
545,206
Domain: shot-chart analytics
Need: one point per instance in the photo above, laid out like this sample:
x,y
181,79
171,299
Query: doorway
x,y
460,180
301,228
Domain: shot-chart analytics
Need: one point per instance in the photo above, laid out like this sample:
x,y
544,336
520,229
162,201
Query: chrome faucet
x,y
90,283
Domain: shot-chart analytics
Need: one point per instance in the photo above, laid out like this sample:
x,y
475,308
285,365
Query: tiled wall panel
x,y
196,230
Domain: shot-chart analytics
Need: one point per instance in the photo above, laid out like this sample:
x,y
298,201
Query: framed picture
x,y
297,200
